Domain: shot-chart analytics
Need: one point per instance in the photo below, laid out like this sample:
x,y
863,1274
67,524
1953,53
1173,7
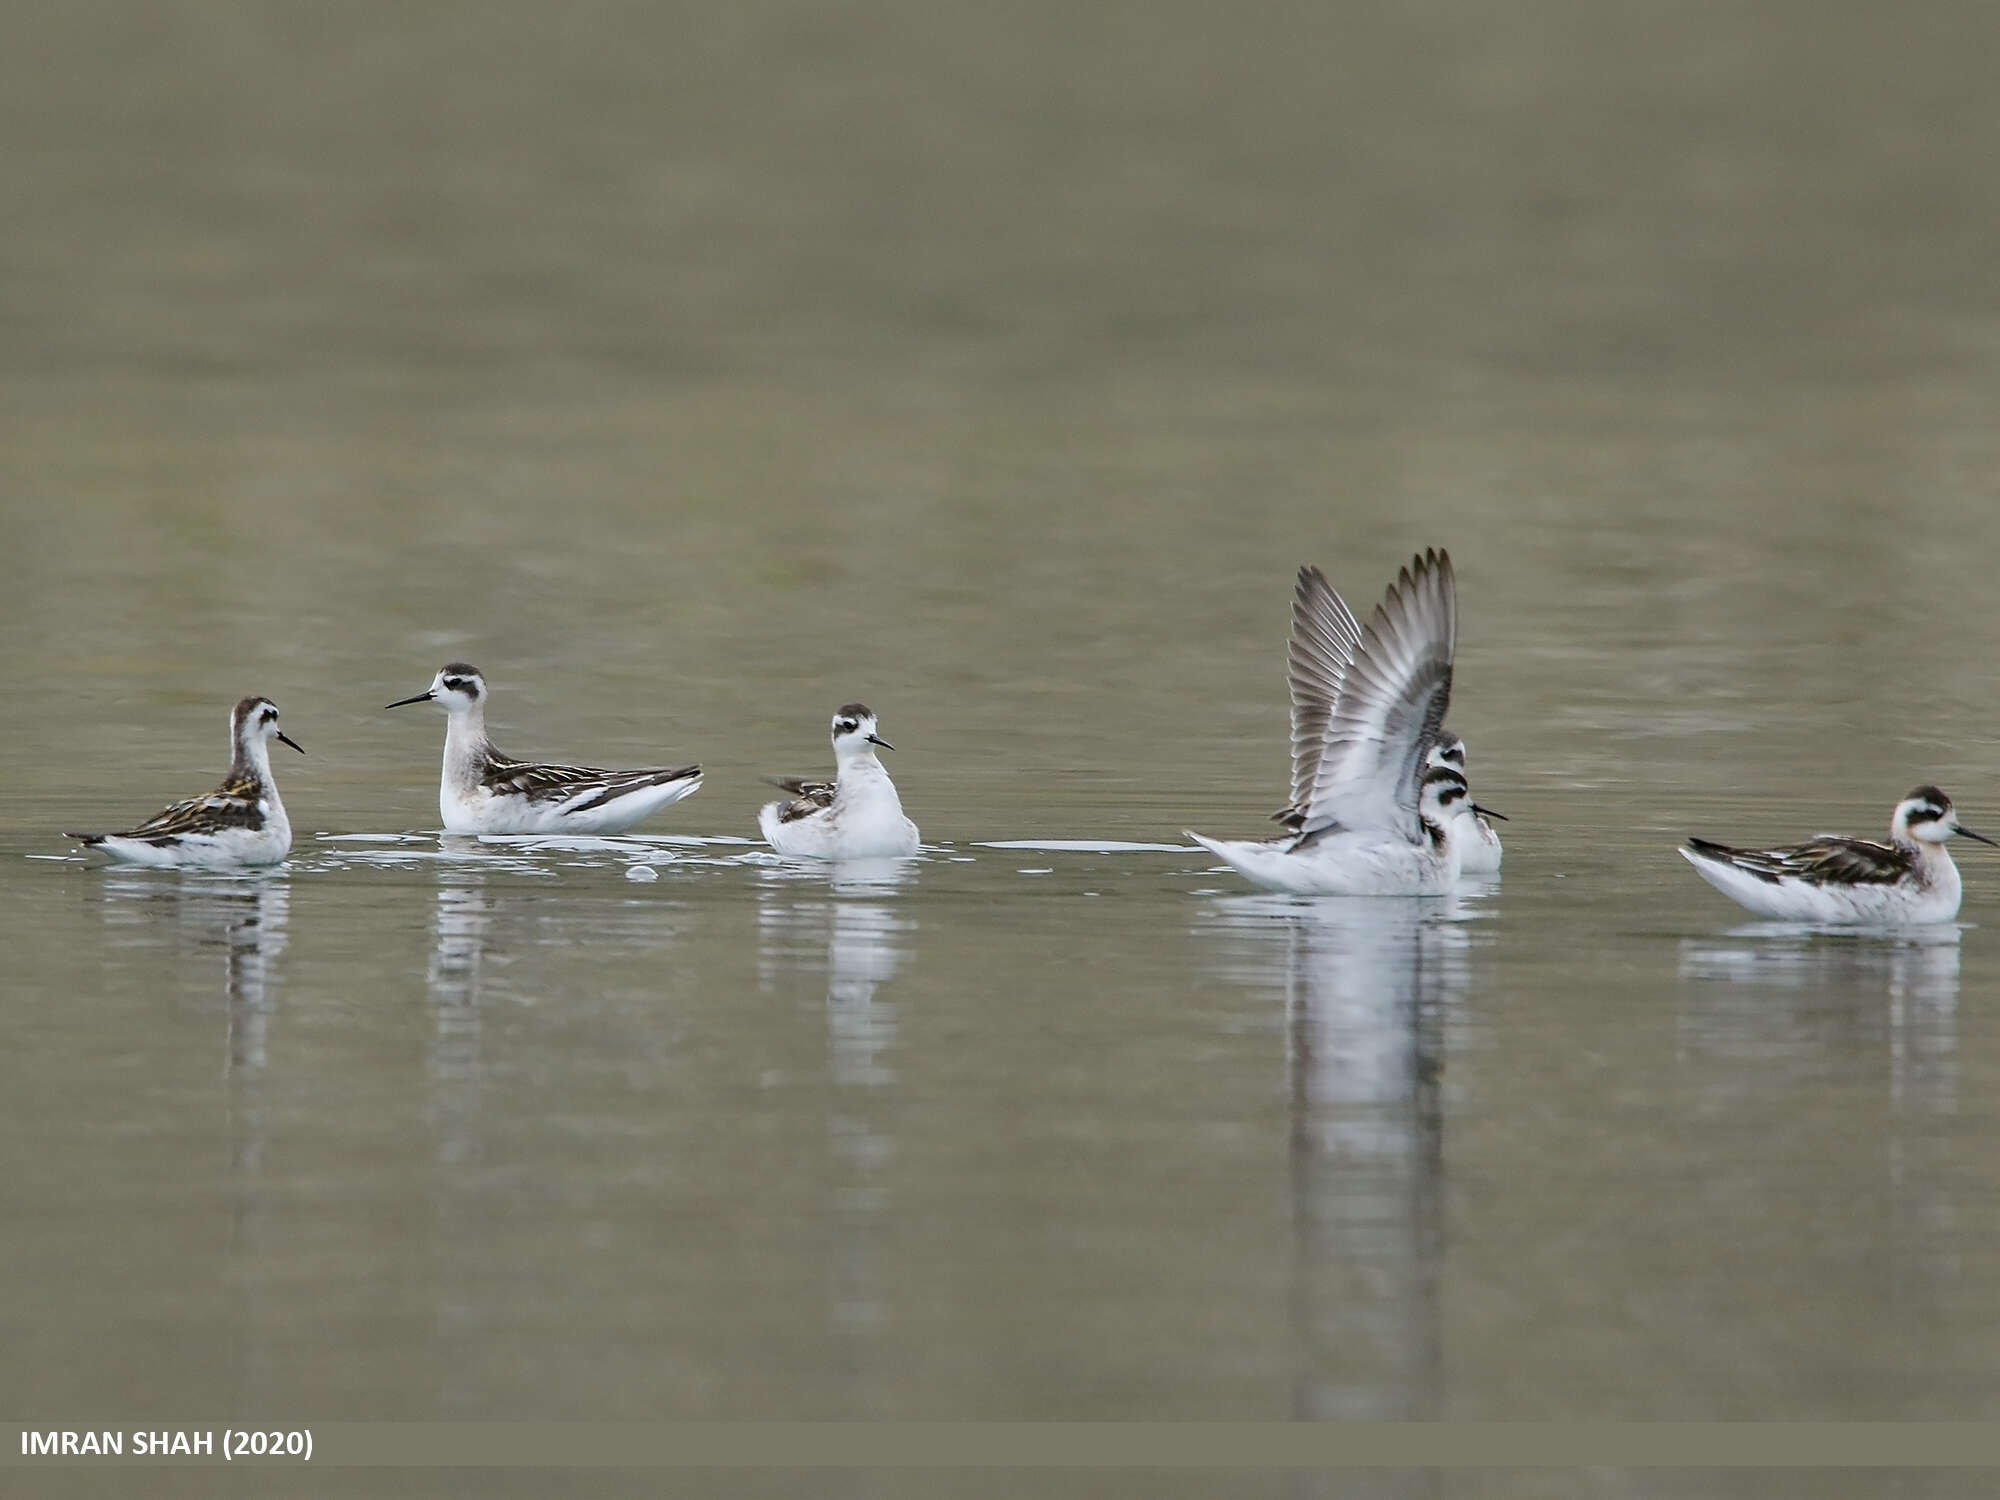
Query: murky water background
x,y
694,372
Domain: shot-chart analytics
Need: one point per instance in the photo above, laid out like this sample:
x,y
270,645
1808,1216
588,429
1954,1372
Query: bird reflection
x,y
459,926
1367,984
850,916
1798,1004
245,917
1777,984
862,953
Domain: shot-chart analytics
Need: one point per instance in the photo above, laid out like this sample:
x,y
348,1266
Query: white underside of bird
x,y
1478,844
1342,864
227,849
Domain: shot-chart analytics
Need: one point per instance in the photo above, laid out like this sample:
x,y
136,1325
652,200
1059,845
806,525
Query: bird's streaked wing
x,y
1829,859
546,783
809,797
231,805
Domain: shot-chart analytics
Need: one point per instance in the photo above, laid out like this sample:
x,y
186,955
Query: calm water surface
x,y
693,376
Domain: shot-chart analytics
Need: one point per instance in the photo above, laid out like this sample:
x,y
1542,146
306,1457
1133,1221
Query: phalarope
x,y
241,822
1372,812
857,815
483,791
1830,878
1478,842
1325,637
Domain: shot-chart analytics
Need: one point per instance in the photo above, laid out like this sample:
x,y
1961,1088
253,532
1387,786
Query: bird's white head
x,y
253,722
854,733
457,688
1448,751
1927,815
1448,754
1442,796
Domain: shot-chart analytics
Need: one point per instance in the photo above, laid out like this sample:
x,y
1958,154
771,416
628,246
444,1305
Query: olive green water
x,y
693,373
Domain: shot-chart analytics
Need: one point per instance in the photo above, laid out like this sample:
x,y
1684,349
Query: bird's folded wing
x,y
1826,860
231,805
545,783
808,797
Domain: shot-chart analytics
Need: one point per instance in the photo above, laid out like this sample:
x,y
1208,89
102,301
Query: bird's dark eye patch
x,y
270,715
844,726
1927,815
459,684
1449,795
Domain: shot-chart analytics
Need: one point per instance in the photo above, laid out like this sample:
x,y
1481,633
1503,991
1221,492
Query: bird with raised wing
x,y
1373,811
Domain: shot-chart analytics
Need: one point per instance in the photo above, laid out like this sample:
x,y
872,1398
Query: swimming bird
x,y
857,815
1831,878
1372,812
241,822
1325,637
483,791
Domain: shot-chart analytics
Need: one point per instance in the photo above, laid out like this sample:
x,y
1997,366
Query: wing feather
x,y
231,805
1827,860
808,797
1391,705
596,786
1325,637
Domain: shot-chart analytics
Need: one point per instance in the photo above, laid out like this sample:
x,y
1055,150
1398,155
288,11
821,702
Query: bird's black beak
x,y
287,739
1979,837
423,697
1487,812
876,739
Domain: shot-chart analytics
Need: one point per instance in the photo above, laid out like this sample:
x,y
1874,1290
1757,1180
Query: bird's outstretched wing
x,y
1391,705
1325,637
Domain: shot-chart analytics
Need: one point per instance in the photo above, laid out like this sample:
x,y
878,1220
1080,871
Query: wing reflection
x,y
1367,985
